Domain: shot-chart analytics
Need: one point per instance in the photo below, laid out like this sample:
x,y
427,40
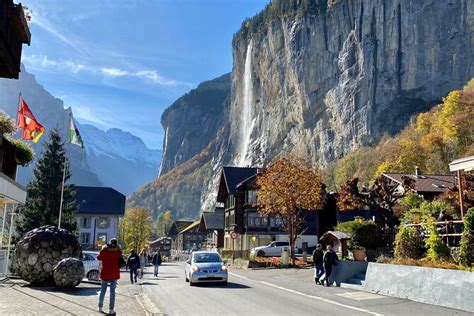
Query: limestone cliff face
x,y
323,84
192,121
323,81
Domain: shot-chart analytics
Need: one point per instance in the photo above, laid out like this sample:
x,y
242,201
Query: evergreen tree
x,y
44,190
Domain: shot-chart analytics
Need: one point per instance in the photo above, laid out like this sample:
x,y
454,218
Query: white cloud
x,y
43,63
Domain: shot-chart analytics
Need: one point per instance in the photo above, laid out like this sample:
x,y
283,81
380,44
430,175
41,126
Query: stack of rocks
x,y
68,272
40,250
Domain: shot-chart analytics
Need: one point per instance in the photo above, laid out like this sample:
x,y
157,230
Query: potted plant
x,y
363,237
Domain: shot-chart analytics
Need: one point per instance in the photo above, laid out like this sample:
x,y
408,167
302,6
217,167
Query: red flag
x,y
32,129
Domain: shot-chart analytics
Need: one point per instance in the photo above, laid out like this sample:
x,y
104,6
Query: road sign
x,y
233,235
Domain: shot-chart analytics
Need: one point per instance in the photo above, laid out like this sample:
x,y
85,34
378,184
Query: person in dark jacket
x,y
156,263
109,272
133,263
329,260
318,255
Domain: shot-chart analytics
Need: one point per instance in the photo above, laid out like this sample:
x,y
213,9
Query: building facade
x,y
99,212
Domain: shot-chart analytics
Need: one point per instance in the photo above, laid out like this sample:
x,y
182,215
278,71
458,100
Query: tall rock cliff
x,y
321,78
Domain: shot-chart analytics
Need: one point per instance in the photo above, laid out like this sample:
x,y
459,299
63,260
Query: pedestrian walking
x,y
156,263
329,260
318,255
133,263
109,273
142,262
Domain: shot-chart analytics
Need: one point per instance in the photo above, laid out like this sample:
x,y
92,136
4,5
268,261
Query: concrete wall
x,y
346,269
450,288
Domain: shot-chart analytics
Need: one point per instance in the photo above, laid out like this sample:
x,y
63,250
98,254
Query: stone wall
x,y
450,288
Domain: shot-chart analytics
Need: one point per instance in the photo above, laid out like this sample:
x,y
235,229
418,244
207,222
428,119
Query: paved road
x,y
271,292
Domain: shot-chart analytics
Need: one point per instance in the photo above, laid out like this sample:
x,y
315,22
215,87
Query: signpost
x,y
233,235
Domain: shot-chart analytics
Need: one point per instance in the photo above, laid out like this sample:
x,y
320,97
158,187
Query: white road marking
x,y
322,299
360,296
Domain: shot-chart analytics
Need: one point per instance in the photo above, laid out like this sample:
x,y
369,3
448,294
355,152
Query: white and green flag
x,y
74,135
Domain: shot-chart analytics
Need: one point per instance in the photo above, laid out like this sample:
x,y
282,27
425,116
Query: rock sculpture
x,y
68,272
40,250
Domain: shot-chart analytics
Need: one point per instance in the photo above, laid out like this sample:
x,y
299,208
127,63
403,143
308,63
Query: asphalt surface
x,y
271,292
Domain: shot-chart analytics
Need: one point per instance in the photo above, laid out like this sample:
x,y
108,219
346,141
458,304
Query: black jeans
x,y
328,271
133,273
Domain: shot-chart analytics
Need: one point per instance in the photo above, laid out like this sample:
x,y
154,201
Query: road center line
x,y
322,299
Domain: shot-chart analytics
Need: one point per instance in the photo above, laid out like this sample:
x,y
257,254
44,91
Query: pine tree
x,y
44,190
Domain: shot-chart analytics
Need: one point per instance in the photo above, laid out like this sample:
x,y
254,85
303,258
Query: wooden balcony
x,y
14,32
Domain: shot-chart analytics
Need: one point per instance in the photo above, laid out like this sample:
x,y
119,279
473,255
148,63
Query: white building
x,y
98,217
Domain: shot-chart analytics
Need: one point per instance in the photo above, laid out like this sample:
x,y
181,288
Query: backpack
x,y
121,262
134,262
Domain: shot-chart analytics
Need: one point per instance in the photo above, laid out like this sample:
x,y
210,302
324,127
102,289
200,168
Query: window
x,y
250,197
254,219
230,201
102,236
282,243
103,222
85,238
85,222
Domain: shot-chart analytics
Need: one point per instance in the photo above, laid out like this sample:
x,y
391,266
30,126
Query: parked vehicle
x,y
91,265
273,249
205,266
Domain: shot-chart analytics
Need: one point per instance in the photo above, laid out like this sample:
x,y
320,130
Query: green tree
x,y
467,239
44,190
136,228
164,222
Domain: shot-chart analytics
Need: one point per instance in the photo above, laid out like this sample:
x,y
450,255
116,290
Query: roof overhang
x,y
463,164
11,191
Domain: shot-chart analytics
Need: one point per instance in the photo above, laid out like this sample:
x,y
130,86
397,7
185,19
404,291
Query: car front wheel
x,y
260,253
186,277
93,275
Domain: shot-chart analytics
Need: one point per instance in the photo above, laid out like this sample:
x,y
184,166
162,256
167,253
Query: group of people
x,y
137,262
323,262
111,262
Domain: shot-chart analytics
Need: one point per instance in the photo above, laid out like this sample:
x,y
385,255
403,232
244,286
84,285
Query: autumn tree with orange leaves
x,y
285,189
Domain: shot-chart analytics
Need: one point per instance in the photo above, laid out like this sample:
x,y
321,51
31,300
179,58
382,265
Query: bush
x,y
7,125
467,239
436,249
362,233
406,243
439,264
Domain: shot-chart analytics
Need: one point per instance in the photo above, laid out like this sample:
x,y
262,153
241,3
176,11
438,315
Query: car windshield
x,y
206,257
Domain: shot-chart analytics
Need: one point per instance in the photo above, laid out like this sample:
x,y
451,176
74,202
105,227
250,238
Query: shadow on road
x,y
81,291
230,285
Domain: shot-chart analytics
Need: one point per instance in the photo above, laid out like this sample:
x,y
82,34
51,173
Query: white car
x,y
205,266
273,249
91,265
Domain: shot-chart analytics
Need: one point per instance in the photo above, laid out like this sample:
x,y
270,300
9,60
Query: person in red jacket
x,y
109,272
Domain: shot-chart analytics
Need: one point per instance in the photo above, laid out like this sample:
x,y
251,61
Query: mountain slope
x,y
119,159
50,112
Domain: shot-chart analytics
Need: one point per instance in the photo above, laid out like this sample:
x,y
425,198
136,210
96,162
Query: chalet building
x,y
191,238
99,212
174,231
237,190
430,186
162,245
14,32
212,223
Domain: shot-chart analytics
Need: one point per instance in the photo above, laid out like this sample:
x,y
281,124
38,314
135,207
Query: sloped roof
x,y
426,182
190,226
339,235
180,225
234,175
212,220
99,200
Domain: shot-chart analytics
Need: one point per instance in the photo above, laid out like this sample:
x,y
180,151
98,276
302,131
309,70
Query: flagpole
x,y
62,186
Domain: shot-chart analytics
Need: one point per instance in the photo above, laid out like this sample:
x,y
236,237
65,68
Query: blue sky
x,y
120,63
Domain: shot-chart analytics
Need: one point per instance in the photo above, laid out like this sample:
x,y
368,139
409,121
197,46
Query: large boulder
x,y
40,250
68,272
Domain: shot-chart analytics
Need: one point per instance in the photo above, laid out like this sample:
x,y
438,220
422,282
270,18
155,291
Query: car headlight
x,y
223,268
195,268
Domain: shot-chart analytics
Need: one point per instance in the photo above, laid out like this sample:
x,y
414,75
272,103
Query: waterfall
x,y
247,122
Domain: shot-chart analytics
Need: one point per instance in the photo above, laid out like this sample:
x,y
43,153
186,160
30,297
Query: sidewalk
x,y
18,298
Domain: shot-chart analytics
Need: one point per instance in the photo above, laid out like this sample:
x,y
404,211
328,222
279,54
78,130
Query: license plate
x,y
210,275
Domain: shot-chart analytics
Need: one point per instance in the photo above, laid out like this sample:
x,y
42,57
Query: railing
x,y
446,229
